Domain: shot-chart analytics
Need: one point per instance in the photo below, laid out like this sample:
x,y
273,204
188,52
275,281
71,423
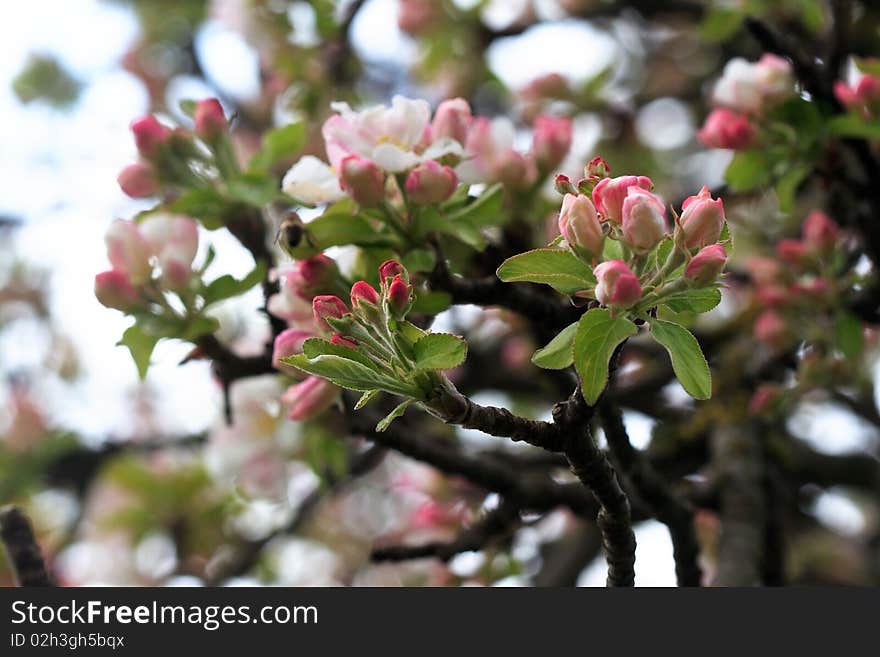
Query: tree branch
x,y
656,495
22,548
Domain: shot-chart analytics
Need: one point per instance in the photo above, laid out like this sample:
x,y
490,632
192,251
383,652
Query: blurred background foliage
x,y
144,495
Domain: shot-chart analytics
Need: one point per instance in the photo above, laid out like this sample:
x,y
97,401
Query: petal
x,y
312,181
393,159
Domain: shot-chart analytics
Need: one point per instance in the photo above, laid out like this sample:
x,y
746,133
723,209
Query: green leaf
x,y
431,303
558,268
314,347
385,422
688,362
484,211
559,352
140,344
853,125
612,250
255,189
366,398
279,145
849,335
187,106
336,229
598,335
198,326
439,351
410,331
351,374
788,184
206,205
419,260
696,301
748,170
227,286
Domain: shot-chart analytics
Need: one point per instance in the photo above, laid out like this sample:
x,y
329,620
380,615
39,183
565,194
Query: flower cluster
x,y
370,151
744,94
626,211
794,281
170,156
146,258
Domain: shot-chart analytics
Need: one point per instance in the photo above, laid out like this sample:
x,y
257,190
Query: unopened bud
x,y
644,219
616,285
363,293
702,220
579,225
114,290
794,252
452,120
705,267
309,399
138,180
820,232
289,343
363,180
210,121
609,194
327,306
399,297
149,134
343,341
430,183
551,141
563,185
597,168
771,329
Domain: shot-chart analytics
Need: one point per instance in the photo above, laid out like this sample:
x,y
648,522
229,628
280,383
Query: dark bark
x,y
28,566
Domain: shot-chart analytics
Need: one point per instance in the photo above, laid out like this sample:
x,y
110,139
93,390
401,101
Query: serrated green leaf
x,y
439,351
140,344
696,301
314,347
227,286
410,331
279,145
559,352
849,334
688,362
598,335
351,374
385,422
558,268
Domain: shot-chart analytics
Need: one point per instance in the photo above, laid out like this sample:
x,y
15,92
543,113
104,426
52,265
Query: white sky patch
x,y
655,565
375,35
836,510
574,49
228,60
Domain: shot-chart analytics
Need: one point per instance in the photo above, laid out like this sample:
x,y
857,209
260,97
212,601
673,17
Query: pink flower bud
x,y
389,270
175,240
765,396
725,128
704,268
702,220
399,297
794,252
309,399
764,270
820,231
562,184
597,168
551,141
616,285
771,329
114,290
609,194
644,219
176,273
343,341
128,251
770,295
579,225
138,180
452,120
362,180
313,276
289,343
210,121
514,169
863,97
361,293
430,183
149,134
416,16
327,306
